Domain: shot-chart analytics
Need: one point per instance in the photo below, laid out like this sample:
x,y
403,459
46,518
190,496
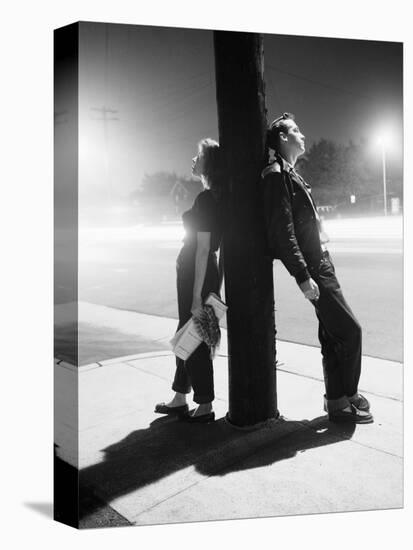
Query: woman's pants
x,y
197,370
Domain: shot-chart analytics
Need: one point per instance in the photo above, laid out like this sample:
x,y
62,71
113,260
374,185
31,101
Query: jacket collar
x,y
285,166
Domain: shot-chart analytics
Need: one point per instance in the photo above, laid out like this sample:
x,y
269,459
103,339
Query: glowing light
x,y
379,228
167,233
387,137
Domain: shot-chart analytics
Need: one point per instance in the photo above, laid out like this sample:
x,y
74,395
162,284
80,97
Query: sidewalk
x,y
152,469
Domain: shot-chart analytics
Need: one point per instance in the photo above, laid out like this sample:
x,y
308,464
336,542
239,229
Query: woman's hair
x,y
212,170
276,127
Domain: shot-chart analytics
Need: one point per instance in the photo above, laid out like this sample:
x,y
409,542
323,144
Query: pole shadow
x,y
169,445
299,437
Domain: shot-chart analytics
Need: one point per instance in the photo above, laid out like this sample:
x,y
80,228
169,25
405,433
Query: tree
x,y
158,184
322,167
335,172
165,195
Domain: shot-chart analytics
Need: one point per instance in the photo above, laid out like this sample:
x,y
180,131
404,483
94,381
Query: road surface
x,y
133,268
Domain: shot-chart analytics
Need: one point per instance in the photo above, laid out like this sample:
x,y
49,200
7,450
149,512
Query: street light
x,y
382,143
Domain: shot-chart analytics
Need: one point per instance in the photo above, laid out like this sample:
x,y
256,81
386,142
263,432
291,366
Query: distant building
x,y
326,210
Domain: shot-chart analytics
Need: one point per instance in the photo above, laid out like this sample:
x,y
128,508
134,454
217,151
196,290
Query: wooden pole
x,y
248,271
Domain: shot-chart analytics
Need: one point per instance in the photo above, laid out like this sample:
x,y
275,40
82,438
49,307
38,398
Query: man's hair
x,y
275,128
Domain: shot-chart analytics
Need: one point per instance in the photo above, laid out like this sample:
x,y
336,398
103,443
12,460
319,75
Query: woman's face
x,y
198,164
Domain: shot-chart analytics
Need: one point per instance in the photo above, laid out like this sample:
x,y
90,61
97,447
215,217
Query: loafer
x,y
354,415
361,403
162,408
201,418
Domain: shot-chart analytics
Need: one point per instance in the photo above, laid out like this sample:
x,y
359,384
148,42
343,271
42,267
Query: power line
x,y
176,116
277,99
106,118
184,98
175,91
318,83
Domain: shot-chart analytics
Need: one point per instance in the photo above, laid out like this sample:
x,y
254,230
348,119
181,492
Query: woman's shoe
x,y
201,418
162,408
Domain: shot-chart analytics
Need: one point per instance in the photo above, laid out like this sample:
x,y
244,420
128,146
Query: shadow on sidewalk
x,y
83,343
169,445
298,437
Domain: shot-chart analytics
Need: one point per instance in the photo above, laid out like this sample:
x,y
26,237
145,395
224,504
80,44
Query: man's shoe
x,y
361,403
354,415
162,408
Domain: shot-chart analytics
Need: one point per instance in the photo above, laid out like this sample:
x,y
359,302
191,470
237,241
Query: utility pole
x,y
105,118
383,160
249,288
106,113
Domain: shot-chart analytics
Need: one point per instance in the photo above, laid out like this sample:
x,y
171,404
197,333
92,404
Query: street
x,y
133,268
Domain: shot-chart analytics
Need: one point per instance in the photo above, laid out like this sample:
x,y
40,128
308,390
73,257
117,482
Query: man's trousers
x,y
340,337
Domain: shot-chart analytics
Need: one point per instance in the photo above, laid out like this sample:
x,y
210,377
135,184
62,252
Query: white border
x,y
26,218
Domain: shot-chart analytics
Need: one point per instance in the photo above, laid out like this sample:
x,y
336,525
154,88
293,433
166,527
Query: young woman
x,y
197,276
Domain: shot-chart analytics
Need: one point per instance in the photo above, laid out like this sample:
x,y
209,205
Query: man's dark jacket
x,y
293,228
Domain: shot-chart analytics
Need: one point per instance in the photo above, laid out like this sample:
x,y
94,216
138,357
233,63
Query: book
x,y
187,338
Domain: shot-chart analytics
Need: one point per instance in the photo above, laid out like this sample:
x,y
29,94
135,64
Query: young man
x,y
295,236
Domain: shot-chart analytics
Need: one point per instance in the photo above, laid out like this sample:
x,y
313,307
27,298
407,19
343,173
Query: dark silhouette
x,y
145,456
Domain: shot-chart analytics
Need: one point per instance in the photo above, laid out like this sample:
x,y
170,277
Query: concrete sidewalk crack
x,y
351,440
262,447
169,497
164,378
309,377
228,464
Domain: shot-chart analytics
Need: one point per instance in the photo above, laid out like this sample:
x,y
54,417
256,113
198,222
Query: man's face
x,y
293,140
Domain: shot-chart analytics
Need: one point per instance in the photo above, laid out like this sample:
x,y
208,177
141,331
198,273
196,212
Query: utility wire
x,y
318,83
184,98
181,115
271,85
173,90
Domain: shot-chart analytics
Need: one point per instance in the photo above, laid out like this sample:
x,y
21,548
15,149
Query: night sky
x,y
161,83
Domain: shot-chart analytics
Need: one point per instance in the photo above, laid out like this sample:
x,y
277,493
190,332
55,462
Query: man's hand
x,y
310,289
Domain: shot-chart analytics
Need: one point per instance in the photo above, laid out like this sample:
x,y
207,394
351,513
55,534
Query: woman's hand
x,y
196,308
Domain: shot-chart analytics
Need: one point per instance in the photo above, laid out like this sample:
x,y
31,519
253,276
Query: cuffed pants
x,y
197,371
340,337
